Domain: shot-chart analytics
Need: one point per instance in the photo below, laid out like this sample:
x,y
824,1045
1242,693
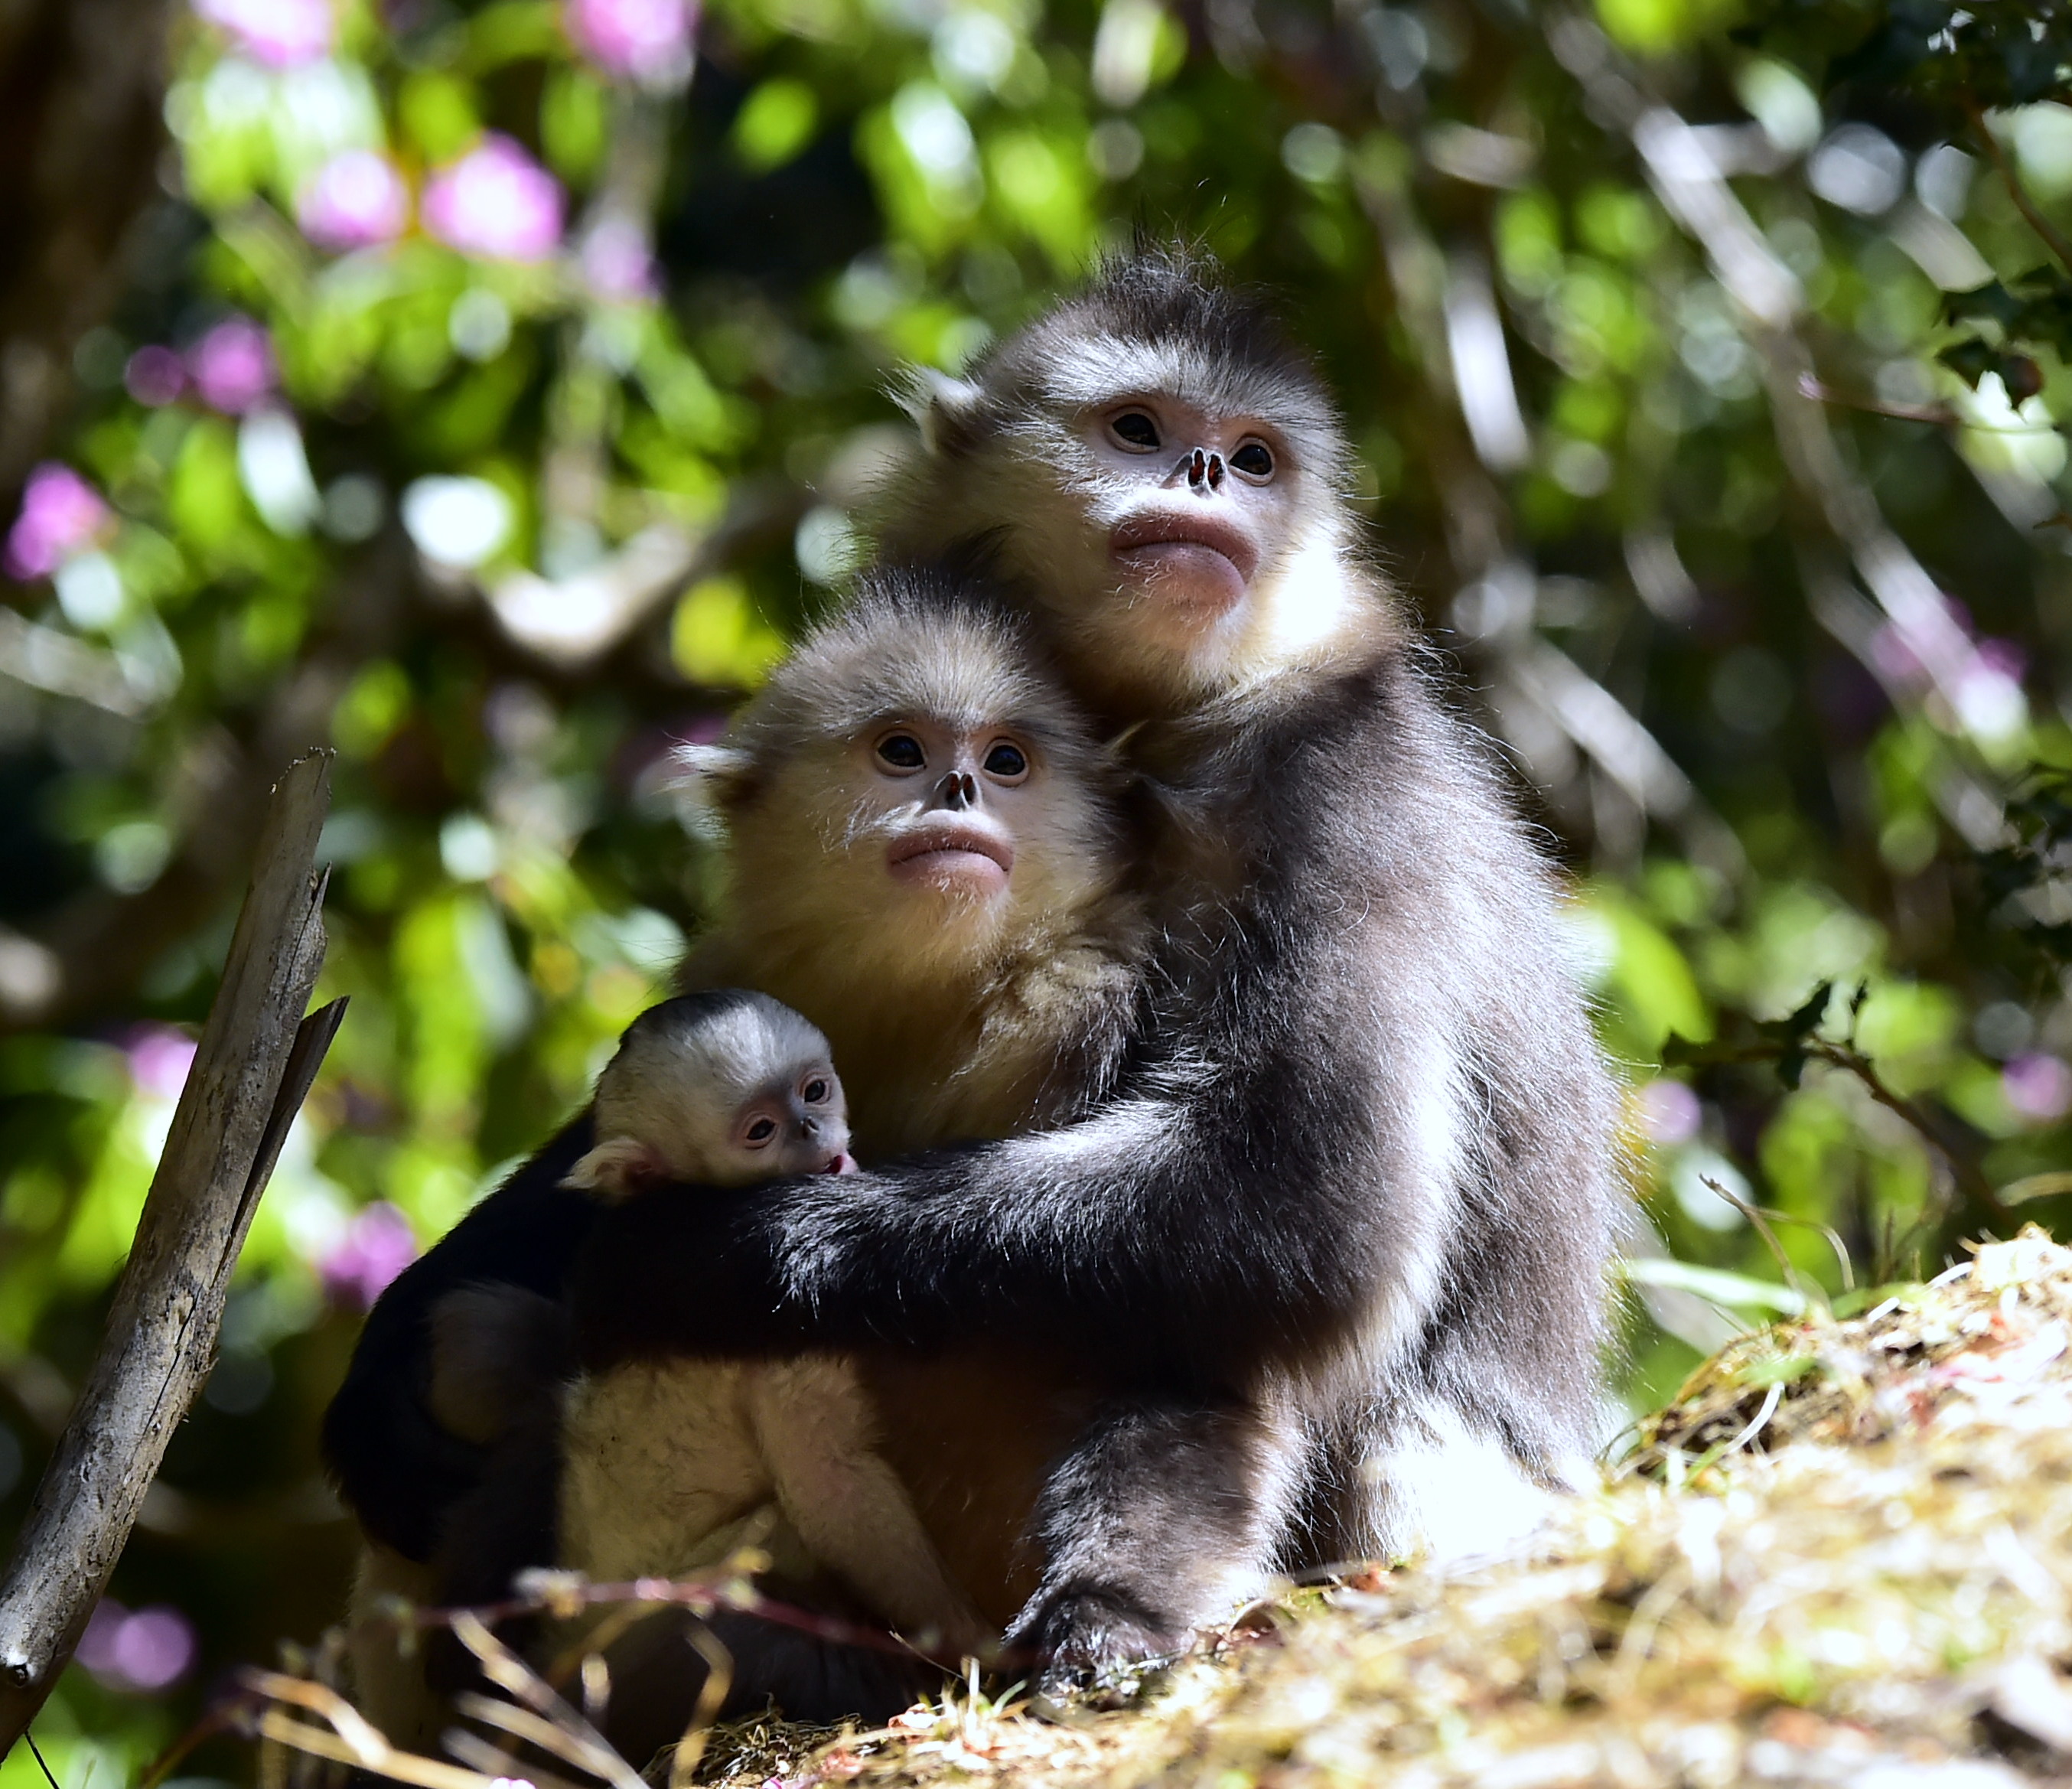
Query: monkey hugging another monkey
x,y
1234,1120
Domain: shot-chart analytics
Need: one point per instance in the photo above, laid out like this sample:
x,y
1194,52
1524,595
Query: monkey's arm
x,y
396,1468
1202,1219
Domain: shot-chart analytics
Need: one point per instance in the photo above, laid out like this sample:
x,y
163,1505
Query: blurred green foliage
x,y
502,488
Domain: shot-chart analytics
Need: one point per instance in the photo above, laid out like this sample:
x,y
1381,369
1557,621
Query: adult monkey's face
x,y
1158,468
1204,507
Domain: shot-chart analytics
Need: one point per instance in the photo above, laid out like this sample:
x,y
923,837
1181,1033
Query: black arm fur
x,y
398,1471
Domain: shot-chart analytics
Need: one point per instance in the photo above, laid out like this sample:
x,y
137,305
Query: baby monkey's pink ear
x,y
619,1169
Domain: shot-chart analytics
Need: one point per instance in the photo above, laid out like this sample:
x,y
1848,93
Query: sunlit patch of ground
x,y
1843,1555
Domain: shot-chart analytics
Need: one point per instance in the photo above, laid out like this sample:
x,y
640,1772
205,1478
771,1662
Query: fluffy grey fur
x,y
1335,1240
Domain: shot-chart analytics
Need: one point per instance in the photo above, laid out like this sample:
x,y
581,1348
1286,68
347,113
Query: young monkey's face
x,y
909,799
951,802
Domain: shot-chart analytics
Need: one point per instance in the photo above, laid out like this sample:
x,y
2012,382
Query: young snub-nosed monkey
x,y
723,1088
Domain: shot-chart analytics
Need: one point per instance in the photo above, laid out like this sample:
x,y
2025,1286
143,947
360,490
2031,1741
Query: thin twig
x,y
2053,237
35,1752
1941,415
586,1748
1809,1290
690,1749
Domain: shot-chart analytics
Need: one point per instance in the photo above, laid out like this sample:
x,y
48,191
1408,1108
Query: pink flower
x,y
644,40
616,262
148,1650
60,514
155,375
159,1059
2004,657
497,202
356,198
378,1245
279,33
1668,1111
2038,1087
233,365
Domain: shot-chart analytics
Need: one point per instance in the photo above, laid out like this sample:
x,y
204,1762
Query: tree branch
x,y
2053,238
256,1058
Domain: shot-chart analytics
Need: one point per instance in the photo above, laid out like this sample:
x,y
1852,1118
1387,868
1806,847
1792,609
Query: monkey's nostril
x,y
1215,471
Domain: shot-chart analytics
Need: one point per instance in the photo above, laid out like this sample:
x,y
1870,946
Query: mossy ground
x,y
1842,1555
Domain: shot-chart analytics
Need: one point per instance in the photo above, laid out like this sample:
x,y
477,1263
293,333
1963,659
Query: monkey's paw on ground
x,y
1844,1556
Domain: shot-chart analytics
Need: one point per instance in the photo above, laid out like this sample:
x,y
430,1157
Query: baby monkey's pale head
x,y
1155,463
721,1088
912,786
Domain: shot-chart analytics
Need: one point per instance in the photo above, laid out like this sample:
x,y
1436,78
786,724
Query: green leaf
x,y
1716,1285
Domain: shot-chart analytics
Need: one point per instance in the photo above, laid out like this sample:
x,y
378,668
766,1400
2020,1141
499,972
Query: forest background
x,y
487,391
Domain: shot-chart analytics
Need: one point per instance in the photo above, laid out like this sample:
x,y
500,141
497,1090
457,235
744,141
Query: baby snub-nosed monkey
x,y
717,1089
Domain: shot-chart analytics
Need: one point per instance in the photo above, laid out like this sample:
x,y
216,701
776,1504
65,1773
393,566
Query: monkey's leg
x,y
813,1424
656,1675
389,1682
1162,1520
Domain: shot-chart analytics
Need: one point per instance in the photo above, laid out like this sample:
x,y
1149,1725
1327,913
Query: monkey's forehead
x,y
1068,379
882,663
735,1040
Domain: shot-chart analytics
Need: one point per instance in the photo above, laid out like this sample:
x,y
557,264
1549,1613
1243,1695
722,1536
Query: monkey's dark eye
x,y
1137,429
1254,460
760,1133
816,1091
1006,760
903,751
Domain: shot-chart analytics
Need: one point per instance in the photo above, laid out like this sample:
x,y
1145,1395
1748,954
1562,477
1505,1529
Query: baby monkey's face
x,y
718,1090
795,1125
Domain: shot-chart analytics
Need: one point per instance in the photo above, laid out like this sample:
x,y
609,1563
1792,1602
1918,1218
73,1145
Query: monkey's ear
x,y
725,775
946,410
617,1168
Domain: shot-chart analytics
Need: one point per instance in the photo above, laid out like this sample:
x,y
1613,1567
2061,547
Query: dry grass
x,y
1844,1555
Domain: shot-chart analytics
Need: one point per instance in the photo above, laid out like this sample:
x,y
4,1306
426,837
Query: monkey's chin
x,y
1194,586
961,875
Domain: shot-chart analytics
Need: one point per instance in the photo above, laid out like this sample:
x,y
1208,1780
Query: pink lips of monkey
x,y
953,857
1203,560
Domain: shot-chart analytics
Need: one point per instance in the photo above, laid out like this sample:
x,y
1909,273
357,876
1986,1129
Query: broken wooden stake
x,y
257,1056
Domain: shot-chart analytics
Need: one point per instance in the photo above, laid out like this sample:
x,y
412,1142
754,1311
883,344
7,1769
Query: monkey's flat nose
x,y
1205,471
959,789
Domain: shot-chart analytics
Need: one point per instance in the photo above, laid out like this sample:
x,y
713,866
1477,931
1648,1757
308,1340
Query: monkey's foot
x,y
1094,1650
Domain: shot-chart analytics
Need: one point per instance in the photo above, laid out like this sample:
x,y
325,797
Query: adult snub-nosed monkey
x,y
1334,1243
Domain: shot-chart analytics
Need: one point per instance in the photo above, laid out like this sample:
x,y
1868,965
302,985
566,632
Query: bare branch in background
x,y
1541,695
82,87
1694,192
2053,239
572,622
257,1059
1482,367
